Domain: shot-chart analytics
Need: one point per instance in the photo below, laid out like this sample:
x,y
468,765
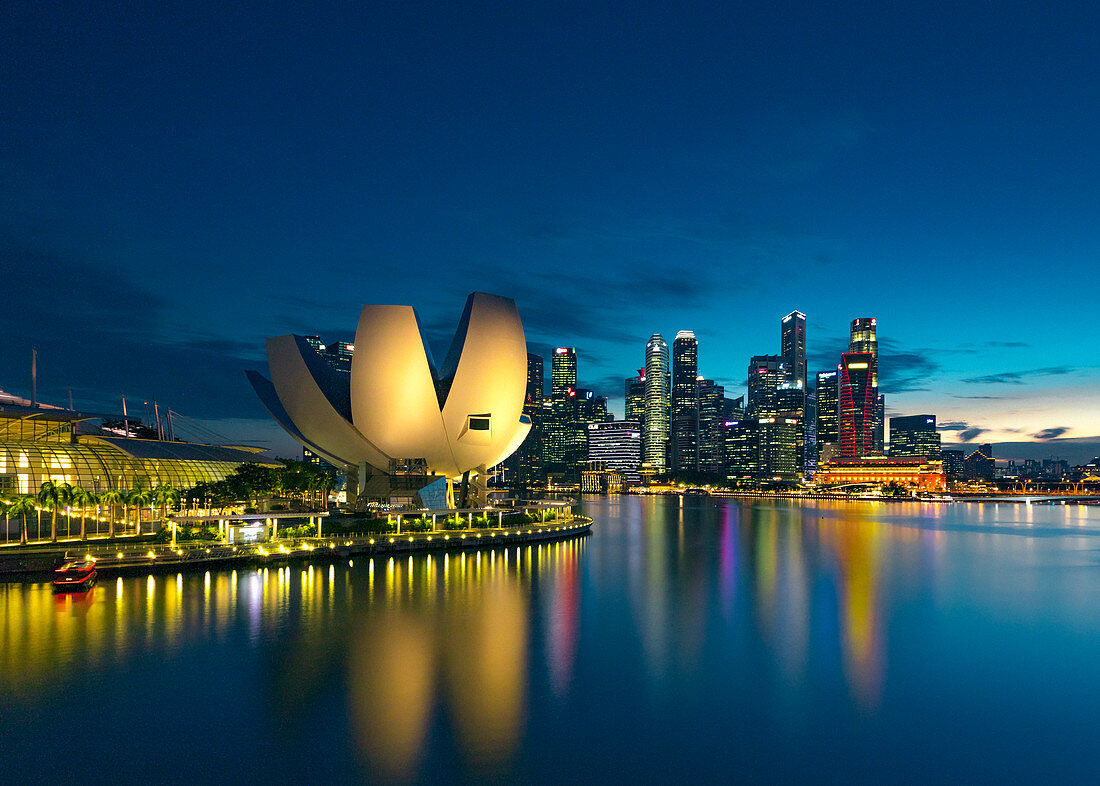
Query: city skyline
x,y
185,212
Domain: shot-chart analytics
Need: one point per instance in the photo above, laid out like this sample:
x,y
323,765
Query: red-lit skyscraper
x,y
858,401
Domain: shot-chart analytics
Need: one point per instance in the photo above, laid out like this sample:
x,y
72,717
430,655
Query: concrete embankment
x,y
19,564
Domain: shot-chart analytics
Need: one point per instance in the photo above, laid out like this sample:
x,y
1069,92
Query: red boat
x,y
75,575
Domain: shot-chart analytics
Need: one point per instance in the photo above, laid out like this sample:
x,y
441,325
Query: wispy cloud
x,y
1018,377
1051,433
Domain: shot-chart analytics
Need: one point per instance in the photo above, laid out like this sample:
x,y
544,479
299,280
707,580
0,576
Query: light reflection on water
x,y
732,629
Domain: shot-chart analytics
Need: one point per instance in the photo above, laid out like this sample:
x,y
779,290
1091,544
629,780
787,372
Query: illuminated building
x,y
44,443
741,443
685,403
980,464
634,402
526,463
790,403
912,472
617,444
828,409
952,462
914,435
879,430
864,339
396,406
793,347
780,447
857,404
535,380
766,374
655,440
809,424
563,372
711,398
598,478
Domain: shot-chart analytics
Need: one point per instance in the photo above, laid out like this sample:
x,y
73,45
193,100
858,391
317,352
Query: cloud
x,y
955,425
900,370
966,435
980,398
1051,433
1018,377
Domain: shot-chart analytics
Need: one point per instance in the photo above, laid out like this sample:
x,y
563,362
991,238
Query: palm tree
x,y
110,498
53,496
83,499
139,498
165,495
23,505
67,504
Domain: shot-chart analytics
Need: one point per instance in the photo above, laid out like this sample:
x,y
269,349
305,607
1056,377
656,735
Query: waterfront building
x,y
634,401
914,435
917,473
879,432
741,443
655,442
536,380
459,421
857,404
809,425
526,463
793,347
598,478
780,453
685,403
40,443
617,444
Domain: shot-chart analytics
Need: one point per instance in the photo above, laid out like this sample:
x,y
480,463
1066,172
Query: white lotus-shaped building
x,y
396,406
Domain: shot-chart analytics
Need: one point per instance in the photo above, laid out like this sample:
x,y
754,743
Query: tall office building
x,y
685,403
635,397
780,453
879,434
793,347
809,425
535,380
790,404
741,443
618,444
857,404
914,435
655,442
526,463
563,372
828,416
710,451
766,374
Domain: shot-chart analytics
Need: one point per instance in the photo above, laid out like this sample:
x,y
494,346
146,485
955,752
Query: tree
x,y
110,498
53,496
23,506
139,498
83,499
165,495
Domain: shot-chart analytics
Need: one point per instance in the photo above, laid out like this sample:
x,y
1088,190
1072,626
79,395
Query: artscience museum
x,y
400,426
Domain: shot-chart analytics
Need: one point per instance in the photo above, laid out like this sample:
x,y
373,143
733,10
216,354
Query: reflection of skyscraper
x,y
857,404
793,347
656,403
685,402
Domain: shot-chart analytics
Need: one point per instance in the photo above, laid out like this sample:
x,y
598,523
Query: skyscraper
x,y
793,347
914,435
828,416
864,338
563,372
857,404
766,374
685,402
535,381
635,397
655,441
527,465
710,451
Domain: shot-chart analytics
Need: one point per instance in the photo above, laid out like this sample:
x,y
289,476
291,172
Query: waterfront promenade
x,y
137,557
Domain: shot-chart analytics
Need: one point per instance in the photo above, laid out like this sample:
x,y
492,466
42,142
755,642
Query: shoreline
x,y
157,559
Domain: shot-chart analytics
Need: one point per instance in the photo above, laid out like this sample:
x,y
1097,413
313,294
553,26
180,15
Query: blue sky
x,y
180,181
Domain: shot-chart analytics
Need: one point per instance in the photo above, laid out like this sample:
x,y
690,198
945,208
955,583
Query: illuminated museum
x,y
397,424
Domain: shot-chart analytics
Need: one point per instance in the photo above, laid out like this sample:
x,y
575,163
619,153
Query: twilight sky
x,y
180,181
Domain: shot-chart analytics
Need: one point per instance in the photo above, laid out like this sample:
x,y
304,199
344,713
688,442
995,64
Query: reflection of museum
x,y
40,443
395,422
